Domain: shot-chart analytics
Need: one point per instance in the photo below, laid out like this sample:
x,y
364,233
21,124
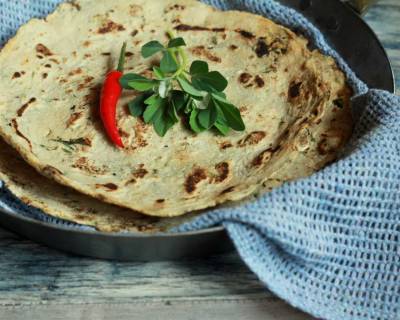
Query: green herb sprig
x,y
196,94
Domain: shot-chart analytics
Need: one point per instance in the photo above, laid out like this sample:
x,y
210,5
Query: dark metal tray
x,y
347,33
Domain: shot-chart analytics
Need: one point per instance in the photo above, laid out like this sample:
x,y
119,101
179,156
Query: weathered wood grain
x,y
384,18
265,309
40,283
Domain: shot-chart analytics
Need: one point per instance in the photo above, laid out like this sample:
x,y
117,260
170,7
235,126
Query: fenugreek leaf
x,y
137,106
207,117
176,42
231,114
158,73
221,124
178,100
152,109
126,78
209,81
222,128
188,88
163,124
200,96
137,82
168,64
198,67
152,99
151,48
173,114
142,85
194,123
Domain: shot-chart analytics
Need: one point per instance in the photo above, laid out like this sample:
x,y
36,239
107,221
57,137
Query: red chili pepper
x,y
110,95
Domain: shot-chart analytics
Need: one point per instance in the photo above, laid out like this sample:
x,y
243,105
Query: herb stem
x,y
182,55
121,61
170,34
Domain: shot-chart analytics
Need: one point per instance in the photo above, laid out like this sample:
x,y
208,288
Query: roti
x,y
61,202
295,104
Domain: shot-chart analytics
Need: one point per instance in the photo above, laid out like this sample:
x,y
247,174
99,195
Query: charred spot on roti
x,y
227,190
176,20
193,179
225,145
51,171
101,197
323,147
75,72
73,118
22,109
41,49
203,52
245,77
262,158
339,103
245,34
135,10
108,186
19,133
294,90
134,33
330,143
178,7
26,200
84,164
243,109
160,200
185,27
16,75
140,128
87,43
47,65
261,48
222,169
123,133
233,47
45,75
75,5
128,54
106,54
86,83
110,26
252,139
39,56
259,81
140,173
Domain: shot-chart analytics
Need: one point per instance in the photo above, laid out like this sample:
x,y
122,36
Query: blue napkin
x,y
328,244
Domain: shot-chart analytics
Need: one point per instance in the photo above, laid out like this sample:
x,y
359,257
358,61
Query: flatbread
x,y
294,102
64,203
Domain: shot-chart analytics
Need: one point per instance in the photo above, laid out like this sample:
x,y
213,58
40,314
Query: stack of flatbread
x,y
55,156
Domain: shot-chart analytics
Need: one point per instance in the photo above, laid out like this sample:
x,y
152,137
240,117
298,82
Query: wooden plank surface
x,y
40,283
384,19
262,309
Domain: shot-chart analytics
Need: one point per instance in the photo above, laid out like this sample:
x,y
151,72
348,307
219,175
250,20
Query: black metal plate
x,y
351,36
347,33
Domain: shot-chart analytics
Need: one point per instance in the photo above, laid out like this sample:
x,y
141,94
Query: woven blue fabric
x,y
329,244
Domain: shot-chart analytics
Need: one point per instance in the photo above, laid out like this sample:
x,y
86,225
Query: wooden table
x,y
40,283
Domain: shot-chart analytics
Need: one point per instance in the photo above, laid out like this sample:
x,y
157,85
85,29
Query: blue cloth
x,y
328,244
